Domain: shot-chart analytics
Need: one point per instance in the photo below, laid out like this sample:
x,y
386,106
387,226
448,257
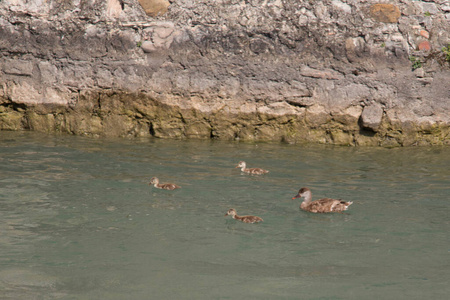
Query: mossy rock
x,y
11,120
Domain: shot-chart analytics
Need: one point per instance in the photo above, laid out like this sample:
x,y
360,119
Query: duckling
x,y
254,171
324,205
245,219
165,186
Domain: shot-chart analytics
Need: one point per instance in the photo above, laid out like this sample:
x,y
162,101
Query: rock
x,y
12,120
419,72
313,71
424,46
386,13
371,116
19,67
155,7
148,47
114,8
425,34
427,7
342,6
354,48
324,74
158,37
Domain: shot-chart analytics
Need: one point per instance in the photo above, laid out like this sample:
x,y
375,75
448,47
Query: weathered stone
x,y
12,120
386,13
203,70
342,138
349,117
324,74
29,95
342,6
424,46
430,8
149,47
18,67
278,109
425,34
158,37
155,7
41,122
371,116
114,8
354,48
198,130
316,115
419,72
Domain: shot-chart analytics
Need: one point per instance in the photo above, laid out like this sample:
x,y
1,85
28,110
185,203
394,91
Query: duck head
x,y
154,180
231,212
302,193
241,164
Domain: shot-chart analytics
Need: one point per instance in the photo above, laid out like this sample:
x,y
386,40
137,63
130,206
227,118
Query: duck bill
x,y
226,214
296,196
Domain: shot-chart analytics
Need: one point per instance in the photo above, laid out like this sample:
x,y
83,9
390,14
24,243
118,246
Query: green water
x,y
78,220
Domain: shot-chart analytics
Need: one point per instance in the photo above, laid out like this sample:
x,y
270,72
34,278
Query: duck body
x,y
254,171
324,205
165,186
246,219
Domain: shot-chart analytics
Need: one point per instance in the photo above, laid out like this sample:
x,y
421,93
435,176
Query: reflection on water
x,y
78,220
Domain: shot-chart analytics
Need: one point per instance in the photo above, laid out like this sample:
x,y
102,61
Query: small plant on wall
x,y
446,51
416,62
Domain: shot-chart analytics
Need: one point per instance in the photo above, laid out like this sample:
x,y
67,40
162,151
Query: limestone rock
x,y
19,67
371,116
292,71
158,37
342,6
155,7
386,13
114,8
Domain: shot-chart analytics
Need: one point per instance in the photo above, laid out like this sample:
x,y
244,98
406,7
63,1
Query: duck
x,y
325,205
254,171
165,186
246,219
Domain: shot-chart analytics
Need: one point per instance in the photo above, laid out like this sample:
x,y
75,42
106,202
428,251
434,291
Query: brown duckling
x,y
165,186
245,219
324,205
254,171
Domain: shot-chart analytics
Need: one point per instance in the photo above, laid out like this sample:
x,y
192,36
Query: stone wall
x,y
342,72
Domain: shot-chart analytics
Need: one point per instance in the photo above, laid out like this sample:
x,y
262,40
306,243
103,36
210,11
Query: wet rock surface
x,y
341,72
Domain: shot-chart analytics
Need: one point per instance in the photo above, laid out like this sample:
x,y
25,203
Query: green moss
x,y
11,120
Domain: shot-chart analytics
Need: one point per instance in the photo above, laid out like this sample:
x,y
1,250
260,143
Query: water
x,y
79,221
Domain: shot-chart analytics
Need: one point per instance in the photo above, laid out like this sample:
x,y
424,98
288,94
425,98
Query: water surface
x,y
78,220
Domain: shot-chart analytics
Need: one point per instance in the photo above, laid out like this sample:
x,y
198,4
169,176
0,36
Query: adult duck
x,y
254,171
246,219
165,186
324,205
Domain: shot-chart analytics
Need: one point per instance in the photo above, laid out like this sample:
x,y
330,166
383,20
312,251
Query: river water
x,y
78,220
